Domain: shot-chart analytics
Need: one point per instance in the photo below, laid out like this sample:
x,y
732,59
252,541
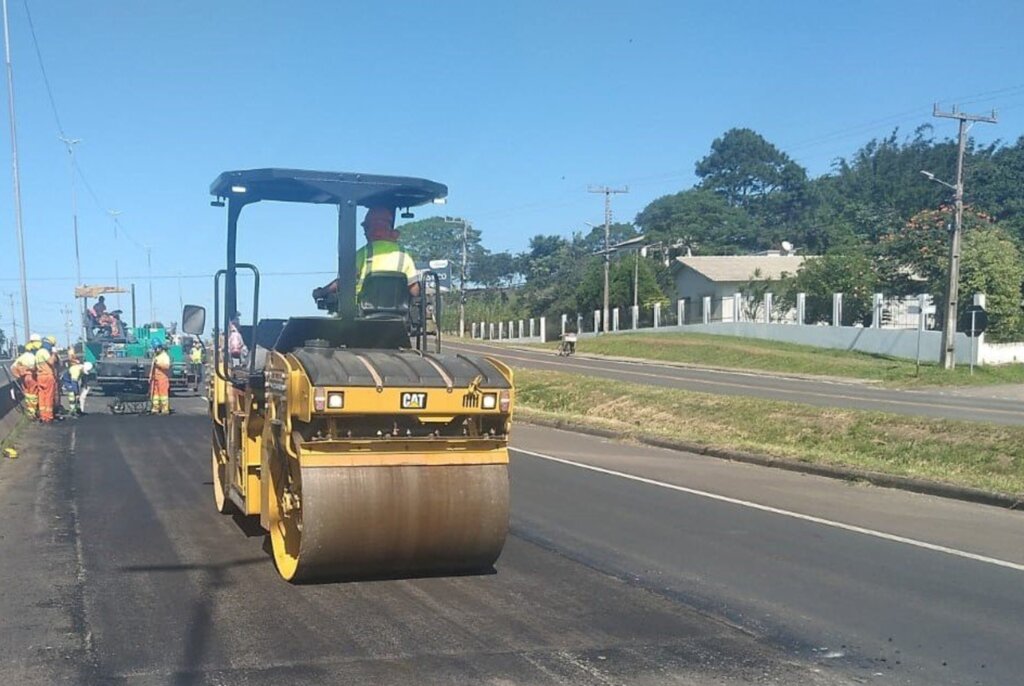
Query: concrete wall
x,y
1001,353
892,342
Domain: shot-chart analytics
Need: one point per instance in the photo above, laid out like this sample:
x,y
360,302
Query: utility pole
x,y
608,192
114,214
16,175
149,266
462,271
66,311
70,143
953,287
14,324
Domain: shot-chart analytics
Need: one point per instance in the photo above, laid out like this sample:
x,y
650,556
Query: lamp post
x,y
70,144
114,214
16,176
462,271
607,265
953,283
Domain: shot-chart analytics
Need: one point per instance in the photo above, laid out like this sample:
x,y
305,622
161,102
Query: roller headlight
x,y
490,401
335,401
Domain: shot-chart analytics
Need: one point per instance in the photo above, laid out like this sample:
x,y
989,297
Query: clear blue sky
x,y
516,106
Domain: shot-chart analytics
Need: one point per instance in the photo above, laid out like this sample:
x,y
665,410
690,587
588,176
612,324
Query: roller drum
x,y
388,521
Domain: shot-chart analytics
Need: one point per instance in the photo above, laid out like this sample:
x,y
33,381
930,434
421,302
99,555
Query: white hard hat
x,y
87,367
35,337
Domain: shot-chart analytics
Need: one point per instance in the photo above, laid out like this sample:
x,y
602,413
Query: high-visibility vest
x,y
196,355
383,256
43,360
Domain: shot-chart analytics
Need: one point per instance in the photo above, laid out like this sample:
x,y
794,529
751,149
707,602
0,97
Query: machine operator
x,y
380,254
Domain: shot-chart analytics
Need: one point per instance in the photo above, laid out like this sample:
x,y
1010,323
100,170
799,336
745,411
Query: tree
x,y
496,270
435,239
702,221
743,167
850,272
991,264
590,291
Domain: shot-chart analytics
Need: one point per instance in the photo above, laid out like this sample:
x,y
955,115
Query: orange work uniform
x,y
160,384
24,369
46,384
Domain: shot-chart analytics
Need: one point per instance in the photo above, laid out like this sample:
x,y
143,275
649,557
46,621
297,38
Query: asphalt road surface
x,y
663,568
930,403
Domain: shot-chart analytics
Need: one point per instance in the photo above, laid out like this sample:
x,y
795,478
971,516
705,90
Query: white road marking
x,y
801,393
785,513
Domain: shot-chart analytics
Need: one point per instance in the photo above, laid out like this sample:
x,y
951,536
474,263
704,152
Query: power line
x,y
42,68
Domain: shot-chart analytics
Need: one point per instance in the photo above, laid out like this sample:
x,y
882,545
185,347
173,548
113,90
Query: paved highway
x,y
625,565
822,393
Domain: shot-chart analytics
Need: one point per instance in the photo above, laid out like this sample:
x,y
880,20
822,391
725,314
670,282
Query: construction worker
x,y
237,349
24,370
195,357
380,254
72,382
46,382
160,380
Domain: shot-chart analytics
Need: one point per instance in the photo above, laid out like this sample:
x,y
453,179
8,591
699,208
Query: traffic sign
x,y
443,269
974,320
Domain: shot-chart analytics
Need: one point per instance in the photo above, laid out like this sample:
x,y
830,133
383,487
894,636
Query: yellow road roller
x,y
364,450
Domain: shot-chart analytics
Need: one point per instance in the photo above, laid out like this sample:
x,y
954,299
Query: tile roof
x,y
742,267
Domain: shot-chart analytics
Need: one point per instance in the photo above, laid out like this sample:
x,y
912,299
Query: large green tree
x,y
702,221
745,169
851,272
991,264
436,239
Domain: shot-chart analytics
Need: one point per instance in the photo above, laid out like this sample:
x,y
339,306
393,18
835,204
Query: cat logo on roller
x,y
414,401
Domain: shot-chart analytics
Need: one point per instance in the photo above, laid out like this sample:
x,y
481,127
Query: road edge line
x,y
903,483
874,533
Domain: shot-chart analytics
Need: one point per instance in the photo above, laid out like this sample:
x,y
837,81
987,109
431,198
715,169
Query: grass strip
x,y
753,354
975,454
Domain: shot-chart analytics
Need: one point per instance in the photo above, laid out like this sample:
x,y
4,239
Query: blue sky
x,y
516,106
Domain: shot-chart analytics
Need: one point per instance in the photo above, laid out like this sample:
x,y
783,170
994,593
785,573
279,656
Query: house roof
x,y
742,267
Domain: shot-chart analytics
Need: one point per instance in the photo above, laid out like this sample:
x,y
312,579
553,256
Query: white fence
x,y
900,327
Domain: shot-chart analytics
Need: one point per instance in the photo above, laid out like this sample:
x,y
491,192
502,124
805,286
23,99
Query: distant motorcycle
x,y
568,345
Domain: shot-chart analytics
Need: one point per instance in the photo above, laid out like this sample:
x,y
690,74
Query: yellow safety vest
x,y
383,256
196,355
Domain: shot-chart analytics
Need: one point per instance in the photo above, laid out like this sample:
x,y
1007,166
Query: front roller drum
x,y
339,523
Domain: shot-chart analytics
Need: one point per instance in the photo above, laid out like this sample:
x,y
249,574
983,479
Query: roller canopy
x,y
336,188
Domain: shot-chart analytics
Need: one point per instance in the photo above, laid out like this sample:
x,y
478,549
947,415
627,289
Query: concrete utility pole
x,y
462,271
114,214
70,143
953,287
608,192
16,176
66,311
14,324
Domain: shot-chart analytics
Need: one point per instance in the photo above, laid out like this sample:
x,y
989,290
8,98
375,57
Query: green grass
x,y
771,356
973,454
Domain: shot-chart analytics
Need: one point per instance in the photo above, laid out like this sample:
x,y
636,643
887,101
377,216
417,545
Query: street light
x,y
953,284
607,264
462,272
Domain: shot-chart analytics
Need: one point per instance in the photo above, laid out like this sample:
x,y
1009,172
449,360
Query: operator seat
x,y
384,295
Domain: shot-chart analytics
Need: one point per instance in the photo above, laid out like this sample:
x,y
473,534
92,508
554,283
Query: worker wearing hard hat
x,y
380,254
160,380
46,381
72,382
195,358
24,370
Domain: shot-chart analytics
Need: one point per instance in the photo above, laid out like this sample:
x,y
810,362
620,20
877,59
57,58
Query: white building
x,y
720,277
